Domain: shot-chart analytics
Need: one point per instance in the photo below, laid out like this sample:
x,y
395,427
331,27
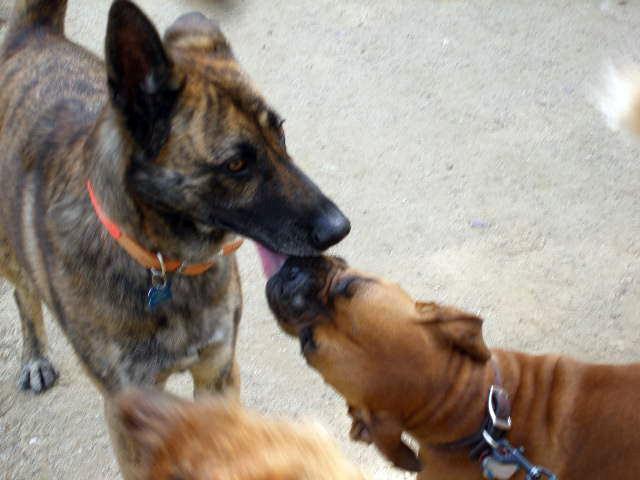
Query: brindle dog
x,y
182,153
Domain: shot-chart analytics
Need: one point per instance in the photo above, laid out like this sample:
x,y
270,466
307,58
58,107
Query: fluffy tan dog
x,y
216,439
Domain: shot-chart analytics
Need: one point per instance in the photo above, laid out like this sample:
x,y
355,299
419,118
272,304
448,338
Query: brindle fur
x,y
155,140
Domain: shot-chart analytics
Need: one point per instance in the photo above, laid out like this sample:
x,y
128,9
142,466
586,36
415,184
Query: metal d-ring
x,y
502,424
159,274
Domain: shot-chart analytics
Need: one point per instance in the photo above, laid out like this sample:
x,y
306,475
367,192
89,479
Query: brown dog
x,y
406,366
123,185
215,438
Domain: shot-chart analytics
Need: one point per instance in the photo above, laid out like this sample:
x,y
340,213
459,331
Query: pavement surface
x,y
460,139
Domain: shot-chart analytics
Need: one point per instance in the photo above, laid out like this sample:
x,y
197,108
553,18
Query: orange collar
x,y
145,257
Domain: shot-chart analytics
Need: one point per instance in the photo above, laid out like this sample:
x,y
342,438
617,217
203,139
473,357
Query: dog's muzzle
x,y
295,292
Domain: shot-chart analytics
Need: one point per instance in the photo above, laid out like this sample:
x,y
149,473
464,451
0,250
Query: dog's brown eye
x,y
243,156
236,165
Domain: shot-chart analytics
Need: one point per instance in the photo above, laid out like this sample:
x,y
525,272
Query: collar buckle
x,y
500,397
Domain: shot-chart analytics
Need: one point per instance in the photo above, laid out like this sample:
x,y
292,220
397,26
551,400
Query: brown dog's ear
x,y
461,329
386,434
195,31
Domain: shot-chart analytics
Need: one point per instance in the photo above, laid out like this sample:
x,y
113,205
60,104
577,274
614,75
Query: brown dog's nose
x,y
294,292
329,228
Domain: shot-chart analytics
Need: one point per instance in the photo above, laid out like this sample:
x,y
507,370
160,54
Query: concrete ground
x,y
459,138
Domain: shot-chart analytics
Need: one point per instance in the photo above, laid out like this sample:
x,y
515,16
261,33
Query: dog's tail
x,y
620,100
39,13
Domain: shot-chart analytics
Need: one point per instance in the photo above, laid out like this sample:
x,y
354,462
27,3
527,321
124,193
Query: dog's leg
x,y
216,373
233,379
37,372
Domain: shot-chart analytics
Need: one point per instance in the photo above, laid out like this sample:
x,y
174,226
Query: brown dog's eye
x,y
241,158
236,165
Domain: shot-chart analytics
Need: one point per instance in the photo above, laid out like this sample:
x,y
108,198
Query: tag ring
x,y
159,274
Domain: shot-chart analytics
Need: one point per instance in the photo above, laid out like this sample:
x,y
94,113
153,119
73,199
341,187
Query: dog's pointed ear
x,y
385,432
461,329
194,31
144,87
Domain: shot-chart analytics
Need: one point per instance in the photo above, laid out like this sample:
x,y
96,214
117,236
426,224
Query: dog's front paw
x,y
37,375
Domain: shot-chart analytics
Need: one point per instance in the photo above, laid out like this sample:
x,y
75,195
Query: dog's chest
x,y
197,325
185,338
176,344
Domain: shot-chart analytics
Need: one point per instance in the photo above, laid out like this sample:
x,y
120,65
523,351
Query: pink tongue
x,y
271,261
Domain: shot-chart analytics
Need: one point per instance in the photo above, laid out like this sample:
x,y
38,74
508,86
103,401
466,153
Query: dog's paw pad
x,y
37,375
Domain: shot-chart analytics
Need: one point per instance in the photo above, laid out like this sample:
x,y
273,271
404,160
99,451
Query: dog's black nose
x,y
330,227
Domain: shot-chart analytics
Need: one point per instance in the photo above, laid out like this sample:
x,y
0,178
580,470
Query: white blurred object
x,y
619,99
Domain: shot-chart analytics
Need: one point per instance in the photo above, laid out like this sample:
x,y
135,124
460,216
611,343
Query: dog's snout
x,y
293,280
329,228
298,302
290,287
297,294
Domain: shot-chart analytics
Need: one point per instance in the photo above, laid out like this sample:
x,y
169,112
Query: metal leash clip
x,y
505,461
160,290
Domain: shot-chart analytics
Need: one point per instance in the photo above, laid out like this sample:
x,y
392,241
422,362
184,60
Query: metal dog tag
x,y
493,469
159,294
160,290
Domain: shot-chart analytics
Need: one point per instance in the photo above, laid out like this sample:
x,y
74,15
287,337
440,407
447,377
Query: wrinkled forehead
x,y
374,301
